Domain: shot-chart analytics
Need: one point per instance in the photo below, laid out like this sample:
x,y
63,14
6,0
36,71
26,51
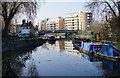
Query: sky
x,y
55,9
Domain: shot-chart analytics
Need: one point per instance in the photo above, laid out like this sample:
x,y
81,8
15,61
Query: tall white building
x,y
54,23
78,21
42,24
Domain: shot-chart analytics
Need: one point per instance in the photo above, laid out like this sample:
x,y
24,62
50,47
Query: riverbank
x,y
8,45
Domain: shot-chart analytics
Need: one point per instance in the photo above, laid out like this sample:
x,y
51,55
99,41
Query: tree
x,y
115,26
10,9
110,8
96,27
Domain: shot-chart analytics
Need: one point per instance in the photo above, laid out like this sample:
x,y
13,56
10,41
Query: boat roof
x,y
91,43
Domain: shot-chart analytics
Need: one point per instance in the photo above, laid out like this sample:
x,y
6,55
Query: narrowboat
x,y
77,42
51,38
102,51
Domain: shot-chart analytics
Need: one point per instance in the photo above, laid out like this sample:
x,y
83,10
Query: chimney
x,y
23,21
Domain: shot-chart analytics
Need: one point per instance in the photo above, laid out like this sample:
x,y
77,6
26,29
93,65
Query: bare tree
x,y
115,26
96,27
110,8
10,9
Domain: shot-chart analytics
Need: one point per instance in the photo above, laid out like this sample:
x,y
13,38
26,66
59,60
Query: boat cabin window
x,y
104,47
98,46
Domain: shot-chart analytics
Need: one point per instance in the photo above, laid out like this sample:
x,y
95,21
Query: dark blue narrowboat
x,y
104,51
51,38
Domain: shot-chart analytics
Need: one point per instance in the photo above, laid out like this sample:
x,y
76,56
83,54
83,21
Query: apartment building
x,y
55,23
62,24
78,21
42,24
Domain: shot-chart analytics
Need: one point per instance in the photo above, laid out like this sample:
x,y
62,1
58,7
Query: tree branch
x,y
111,9
4,12
118,3
115,4
13,12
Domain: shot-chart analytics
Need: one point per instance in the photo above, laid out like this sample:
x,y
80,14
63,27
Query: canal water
x,y
57,58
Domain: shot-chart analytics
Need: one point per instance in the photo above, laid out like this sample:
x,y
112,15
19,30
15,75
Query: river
x,y
57,58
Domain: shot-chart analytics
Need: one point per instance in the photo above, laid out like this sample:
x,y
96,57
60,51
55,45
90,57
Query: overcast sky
x,y
55,9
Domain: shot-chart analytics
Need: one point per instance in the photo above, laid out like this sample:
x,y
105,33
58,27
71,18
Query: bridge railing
x,y
60,31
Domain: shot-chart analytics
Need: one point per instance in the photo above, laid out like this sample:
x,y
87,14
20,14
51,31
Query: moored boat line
x,y
101,51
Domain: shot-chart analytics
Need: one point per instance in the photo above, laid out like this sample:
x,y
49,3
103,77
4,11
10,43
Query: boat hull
x,y
97,54
51,39
100,56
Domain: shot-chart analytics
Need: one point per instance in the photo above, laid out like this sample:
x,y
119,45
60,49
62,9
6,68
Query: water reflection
x,y
13,63
57,58
90,58
69,47
111,68
14,60
54,45
60,46
51,42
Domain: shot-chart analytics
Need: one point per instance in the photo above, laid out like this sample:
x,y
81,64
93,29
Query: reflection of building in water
x,y
58,46
61,45
69,47
44,46
72,53
80,54
53,46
